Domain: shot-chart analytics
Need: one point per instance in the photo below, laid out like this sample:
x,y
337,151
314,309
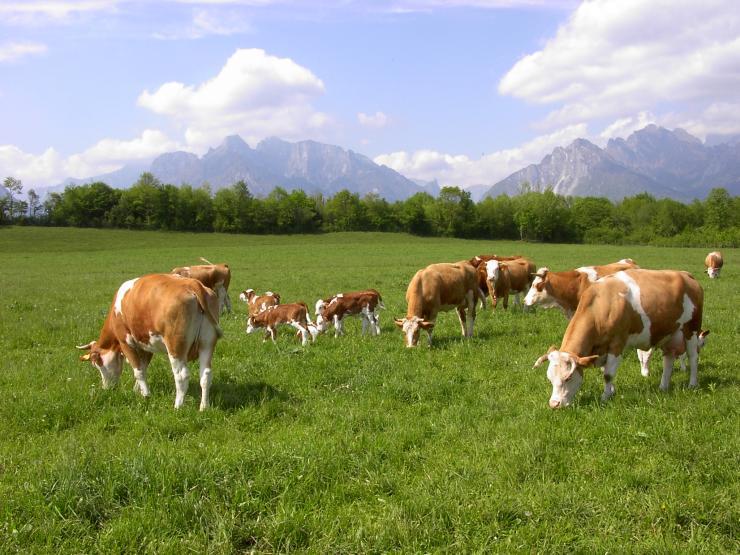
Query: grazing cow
x,y
564,289
632,308
358,303
215,276
292,314
518,273
257,303
158,313
714,263
440,287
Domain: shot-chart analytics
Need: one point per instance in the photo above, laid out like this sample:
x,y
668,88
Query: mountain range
x,y
308,165
656,160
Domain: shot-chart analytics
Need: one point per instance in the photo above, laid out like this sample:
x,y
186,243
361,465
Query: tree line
x,y
532,215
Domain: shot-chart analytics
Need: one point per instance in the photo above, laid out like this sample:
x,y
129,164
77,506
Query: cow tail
x,y
308,313
209,306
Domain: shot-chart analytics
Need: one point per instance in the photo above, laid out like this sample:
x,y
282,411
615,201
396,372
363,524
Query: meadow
x,y
353,444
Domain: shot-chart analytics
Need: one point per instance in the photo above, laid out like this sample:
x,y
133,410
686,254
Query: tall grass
x,y
355,444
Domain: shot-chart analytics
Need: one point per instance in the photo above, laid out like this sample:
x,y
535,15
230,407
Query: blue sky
x,y
464,91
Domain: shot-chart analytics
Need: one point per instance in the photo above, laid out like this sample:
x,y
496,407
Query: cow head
x,y
109,362
251,327
713,272
246,295
538,292
565,372
411,328
493,270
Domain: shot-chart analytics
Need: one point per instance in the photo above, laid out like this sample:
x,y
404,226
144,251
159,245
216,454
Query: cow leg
x,y
471,314
692,351
506,301
517,300
665,381
272,333
140,374
376,322
337,326
205,355
302,330
365,317
461,316
610,372
429,337
182,378
644,358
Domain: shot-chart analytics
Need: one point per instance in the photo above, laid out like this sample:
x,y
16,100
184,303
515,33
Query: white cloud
x,y
623,127
12,51
461,170
51,168
208,23
255,95
615,58
378,119
35,12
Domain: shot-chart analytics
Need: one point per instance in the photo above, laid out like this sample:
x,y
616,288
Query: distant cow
x,y
714,263
292,314
632,308
440,287
257,303
364,304
158,313
513,276
215,276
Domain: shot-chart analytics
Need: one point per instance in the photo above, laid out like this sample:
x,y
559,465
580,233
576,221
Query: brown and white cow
x,y
632,308
714,263
291,314
364,304
504,277
564,289
436,288
215,276
257,303
158,313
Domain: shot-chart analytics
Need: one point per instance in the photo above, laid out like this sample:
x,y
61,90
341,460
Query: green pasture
x,y
354,445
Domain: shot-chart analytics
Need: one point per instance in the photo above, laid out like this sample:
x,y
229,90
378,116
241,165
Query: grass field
x,y
355,444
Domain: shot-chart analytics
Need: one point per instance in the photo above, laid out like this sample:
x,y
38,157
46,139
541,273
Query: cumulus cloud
x,y
623,127
461,170
613,59
255,95
378,119
50,167
12,51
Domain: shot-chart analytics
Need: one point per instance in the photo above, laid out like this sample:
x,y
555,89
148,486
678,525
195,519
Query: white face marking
x,y
122,290
564,379
589,271
492,270
642,339
713,272
536,297
411,330
319,305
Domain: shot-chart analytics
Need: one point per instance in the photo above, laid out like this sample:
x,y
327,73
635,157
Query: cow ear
x,y
426,325
398,322
586,361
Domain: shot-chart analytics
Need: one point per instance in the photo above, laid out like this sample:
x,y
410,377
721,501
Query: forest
x,y
535,214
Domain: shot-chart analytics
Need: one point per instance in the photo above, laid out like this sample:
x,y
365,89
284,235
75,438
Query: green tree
x,y
452,214
718,212
496,218
344,212
14,187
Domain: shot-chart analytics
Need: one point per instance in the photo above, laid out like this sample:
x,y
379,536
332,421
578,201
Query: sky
x,y
462,91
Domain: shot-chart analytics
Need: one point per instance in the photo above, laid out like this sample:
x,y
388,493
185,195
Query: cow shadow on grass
x,y
231,396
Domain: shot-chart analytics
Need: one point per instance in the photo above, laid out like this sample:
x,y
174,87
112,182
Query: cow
x,y
440,287
292,314
714,263
564,289
631,308
215,276
257,303
158,313
504,277
364,304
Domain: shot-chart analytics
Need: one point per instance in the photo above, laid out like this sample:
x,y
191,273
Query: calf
x,y
257,303
632,308
364,304
440,287
519,276
713,263
215,276
158,313
292,314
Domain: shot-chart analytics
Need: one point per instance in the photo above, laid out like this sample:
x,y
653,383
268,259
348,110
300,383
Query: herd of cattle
x,y
609,308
